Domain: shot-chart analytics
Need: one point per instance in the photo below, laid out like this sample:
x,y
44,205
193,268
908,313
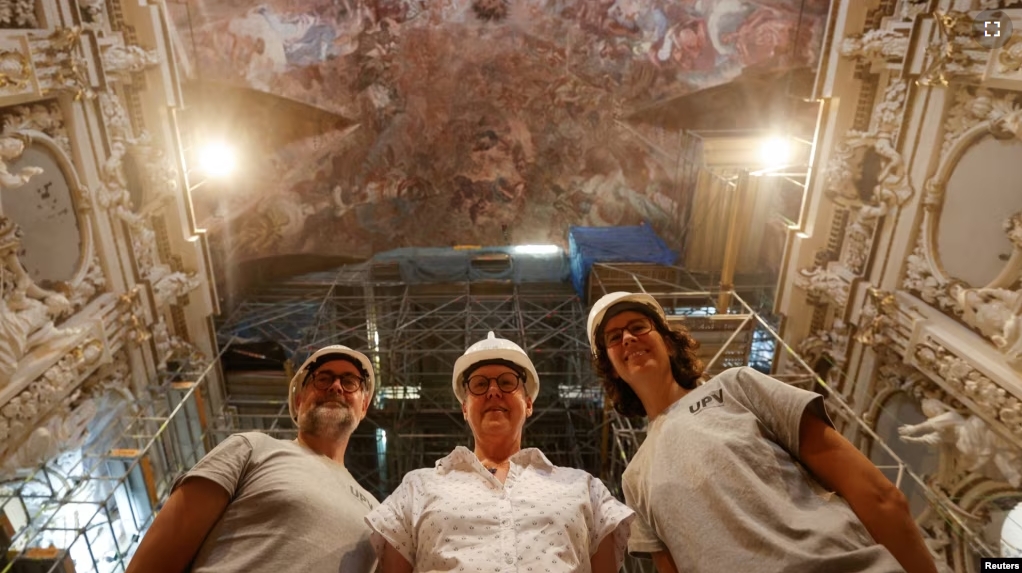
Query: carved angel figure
x,y
822,282
27,311
58,434
121,59
997,314
11,148
881,44
977,443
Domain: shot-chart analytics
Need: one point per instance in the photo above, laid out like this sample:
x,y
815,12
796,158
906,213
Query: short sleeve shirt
x,y
458,517
717,483
290,510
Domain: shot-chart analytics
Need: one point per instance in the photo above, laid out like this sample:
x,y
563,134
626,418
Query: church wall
x,y
908,262
88,97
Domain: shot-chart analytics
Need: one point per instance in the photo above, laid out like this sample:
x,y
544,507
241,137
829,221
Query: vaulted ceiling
x,y
369,125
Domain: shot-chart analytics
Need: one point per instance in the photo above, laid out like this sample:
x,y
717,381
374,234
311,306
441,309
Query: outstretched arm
x,y
880,506
180,528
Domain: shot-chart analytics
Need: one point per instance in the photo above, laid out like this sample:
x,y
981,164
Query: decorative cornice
x,y
19,414
970,386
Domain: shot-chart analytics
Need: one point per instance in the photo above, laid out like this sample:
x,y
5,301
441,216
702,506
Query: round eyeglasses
x,y
637,327
349,382
507,382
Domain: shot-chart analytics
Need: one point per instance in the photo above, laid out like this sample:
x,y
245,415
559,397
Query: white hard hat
x,y
608,300
317,358
493,348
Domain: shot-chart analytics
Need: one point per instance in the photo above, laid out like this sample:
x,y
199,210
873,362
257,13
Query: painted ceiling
x,y
397,123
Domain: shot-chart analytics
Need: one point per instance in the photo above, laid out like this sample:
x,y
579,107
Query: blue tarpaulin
x,y
589,245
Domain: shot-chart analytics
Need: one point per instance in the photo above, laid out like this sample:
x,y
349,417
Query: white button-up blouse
x,y
459,517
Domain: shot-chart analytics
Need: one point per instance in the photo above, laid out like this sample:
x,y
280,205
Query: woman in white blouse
x,y
501,507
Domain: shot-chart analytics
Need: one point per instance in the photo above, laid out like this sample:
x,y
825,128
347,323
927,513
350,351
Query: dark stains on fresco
x,y
478,121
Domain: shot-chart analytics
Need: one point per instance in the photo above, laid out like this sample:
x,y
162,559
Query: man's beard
x,y
328,422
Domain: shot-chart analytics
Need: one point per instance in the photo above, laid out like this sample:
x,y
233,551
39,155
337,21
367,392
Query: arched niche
x,y
890,410
990,501
50,211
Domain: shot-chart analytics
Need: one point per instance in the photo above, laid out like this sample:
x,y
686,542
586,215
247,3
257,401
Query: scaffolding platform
x,y
633,244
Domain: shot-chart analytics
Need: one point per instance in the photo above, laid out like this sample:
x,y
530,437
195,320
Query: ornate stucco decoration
x,y
825,351
133,316
18,415
977,445
67,425
882,45
172,347
878,322
91,284
1009,59
977,391
113,195
160,175
60,67
15,71
11,149
127,59
907,9
29,314
991,309
894,376
954,55
113,192
18,14
997,314
44,117
93,13
892,188
825,284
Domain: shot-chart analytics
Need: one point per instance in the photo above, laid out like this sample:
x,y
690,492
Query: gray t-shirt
x,y
717,483
290,510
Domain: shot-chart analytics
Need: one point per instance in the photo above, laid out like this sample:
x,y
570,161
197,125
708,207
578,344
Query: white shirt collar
x,y
464,458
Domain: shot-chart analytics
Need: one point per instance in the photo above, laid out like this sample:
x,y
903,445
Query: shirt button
x,y
508,559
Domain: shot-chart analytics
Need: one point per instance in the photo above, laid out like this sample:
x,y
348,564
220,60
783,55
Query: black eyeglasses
x,y
507,382
637,327
349,382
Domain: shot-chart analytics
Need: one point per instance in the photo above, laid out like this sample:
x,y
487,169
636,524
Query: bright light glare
x,y
537,249
217,159
775,152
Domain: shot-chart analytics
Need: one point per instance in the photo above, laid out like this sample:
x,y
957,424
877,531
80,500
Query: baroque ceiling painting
x,y
453,122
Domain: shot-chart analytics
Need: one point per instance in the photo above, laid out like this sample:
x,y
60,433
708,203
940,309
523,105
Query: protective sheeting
x,y
437,265
633,244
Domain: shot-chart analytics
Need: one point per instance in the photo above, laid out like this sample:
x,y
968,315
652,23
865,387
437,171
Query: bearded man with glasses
x,y
260,504
499,507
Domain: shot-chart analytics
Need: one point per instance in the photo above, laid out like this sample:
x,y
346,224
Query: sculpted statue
x,y
11,148
27,311
997,314
119,59
886,45
976,442
56,435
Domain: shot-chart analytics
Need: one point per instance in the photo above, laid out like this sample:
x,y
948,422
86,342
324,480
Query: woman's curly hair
x,y
686,367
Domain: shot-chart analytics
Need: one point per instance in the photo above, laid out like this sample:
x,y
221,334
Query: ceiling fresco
x,y
486,122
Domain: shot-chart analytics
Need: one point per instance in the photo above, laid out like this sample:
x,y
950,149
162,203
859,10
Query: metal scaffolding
x,y
93,508
414,333
85,510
